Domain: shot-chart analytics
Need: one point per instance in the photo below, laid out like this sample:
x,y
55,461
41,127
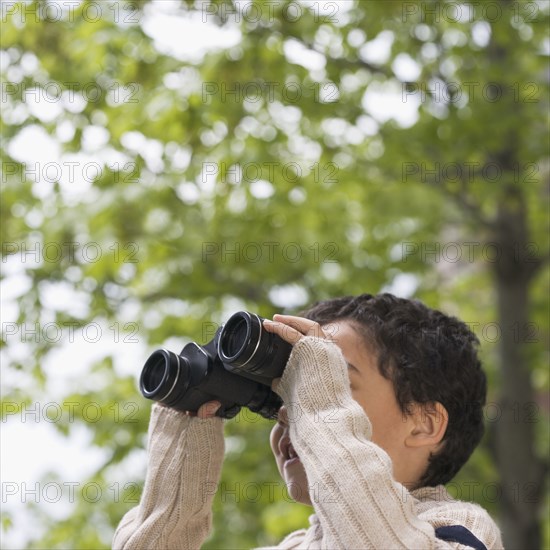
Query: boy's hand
x,y
292,329
206,410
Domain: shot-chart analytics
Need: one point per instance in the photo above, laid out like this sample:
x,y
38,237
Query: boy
x,y
383,403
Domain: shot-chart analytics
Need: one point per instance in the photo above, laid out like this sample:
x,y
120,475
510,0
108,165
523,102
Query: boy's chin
x,y
298,493
296,484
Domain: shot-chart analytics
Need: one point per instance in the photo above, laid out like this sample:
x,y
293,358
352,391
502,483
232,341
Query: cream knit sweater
x,y
358,505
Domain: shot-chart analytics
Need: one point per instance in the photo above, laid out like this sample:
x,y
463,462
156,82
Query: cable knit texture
x,y
185,461
357,503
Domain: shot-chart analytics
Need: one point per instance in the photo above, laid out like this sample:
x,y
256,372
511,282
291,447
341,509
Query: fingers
x,y
208,409
292,329
306,326
287,333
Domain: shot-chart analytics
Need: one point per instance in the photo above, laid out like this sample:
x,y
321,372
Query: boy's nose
x,y
282,416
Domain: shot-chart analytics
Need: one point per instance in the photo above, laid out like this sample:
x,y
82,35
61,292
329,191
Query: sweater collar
x,y
438,493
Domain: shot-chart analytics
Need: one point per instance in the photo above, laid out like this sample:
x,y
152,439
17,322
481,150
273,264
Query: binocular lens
x,y
159,374
153,375
236,338
240,339
245,346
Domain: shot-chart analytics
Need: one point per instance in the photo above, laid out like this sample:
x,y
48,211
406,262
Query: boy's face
x,y
370,389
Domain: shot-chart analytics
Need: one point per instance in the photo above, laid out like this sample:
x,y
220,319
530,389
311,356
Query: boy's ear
x,y
428,425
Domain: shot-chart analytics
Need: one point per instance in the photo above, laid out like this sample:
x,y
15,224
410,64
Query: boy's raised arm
x,y
184,465
352,489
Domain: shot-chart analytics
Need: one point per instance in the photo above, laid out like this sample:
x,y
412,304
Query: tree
x,y
321,151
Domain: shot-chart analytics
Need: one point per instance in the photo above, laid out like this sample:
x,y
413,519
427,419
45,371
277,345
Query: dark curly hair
x,y
429,357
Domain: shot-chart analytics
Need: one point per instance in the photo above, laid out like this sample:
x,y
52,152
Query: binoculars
x,y
235,368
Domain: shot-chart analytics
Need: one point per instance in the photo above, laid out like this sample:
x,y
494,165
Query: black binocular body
x,y
235,368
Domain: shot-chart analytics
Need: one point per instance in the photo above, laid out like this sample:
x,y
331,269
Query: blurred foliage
x,y
345,193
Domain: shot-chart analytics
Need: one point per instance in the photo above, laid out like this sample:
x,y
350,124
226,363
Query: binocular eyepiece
x,y
235,368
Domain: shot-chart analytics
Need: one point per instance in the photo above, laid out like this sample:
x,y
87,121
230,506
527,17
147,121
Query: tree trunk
x,y
521,472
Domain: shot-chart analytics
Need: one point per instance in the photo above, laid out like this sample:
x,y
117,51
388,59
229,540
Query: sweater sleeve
x,y
350,479
185,456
